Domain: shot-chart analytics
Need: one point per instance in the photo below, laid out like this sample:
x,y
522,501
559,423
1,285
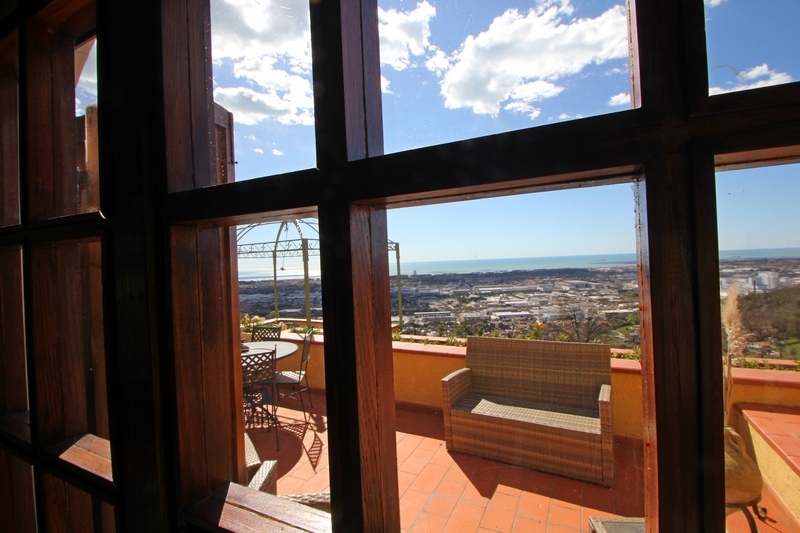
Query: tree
x,y
582,323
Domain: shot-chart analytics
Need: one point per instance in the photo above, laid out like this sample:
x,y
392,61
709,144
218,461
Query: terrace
x,y
450,491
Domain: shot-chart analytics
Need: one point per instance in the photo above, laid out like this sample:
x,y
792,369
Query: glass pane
x,y
751,44
9,143
279,287
68,342
86,125
262,74
759,261
505,274
455,70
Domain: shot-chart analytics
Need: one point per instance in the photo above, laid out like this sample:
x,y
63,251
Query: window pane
x,y
279,286
759,261
86,125
759,241
455,70
751,44
555,266
262,74
9,146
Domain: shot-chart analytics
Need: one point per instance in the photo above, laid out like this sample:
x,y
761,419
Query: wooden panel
x,y
94,338
218,355
205,360
189,380
17,512
358,370
51,136
60,407
9,143
374,367
683,423
73,15
202,110
225,160
344,444
190,124
13,379
361,76
178,123
64,508
710,397
41,196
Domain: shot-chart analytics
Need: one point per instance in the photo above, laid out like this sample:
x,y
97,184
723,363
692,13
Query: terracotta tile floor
x,y
443,492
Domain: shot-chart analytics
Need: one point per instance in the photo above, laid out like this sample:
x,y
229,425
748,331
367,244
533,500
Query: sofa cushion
x,y
529,412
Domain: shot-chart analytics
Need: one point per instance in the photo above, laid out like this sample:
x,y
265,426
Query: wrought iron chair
x,y
298,380
266,333
258,388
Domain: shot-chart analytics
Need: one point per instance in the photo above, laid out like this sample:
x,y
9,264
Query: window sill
x,y
237,509
17,426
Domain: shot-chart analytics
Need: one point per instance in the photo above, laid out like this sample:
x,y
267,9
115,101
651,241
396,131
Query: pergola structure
x,y
305,247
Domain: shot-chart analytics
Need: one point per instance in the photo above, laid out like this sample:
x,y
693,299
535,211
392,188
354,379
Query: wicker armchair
x,y
538,404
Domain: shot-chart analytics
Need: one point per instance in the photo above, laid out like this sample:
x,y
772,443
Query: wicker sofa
x,y
538,404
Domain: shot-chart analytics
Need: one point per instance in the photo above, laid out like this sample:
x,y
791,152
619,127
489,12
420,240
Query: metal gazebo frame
x,y
304,247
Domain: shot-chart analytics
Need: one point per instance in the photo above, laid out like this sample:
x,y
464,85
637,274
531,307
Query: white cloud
x,y
760,76
251,107
438,63
620,99
276,152
712,3
509,64
385,85
88,76
523,108
405,34
270,58
258,150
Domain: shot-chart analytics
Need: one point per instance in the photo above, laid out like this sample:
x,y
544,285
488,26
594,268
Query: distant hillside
x,y
774,313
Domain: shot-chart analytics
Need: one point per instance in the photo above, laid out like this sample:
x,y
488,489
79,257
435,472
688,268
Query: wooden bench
x,y
538,404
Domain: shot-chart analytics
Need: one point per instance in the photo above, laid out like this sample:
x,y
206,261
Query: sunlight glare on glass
x,y
751,44
452,70
261,52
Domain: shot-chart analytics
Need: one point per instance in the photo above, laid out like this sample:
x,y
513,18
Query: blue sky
x,y
455,69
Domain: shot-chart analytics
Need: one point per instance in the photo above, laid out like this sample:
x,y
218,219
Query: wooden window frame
x,y
158,194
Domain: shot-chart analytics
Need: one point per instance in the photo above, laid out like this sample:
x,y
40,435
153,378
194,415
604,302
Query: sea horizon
x,y
475,266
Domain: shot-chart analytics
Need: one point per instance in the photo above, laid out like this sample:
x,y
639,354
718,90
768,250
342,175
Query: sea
x,y
468,266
